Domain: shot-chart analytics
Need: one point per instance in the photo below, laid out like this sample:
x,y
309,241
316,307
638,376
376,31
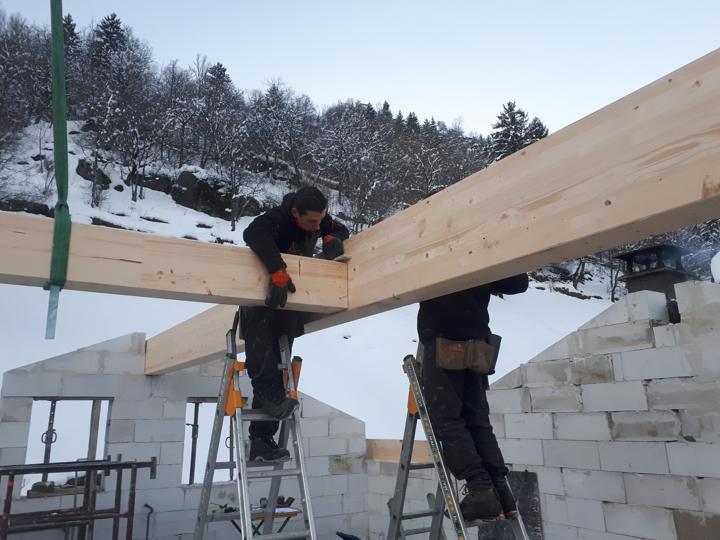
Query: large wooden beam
x,y
123,262
645,164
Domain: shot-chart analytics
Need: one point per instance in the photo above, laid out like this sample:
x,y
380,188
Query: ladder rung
x,y
257,416
286,535
425,465
271,474
421,530
416,515
249,464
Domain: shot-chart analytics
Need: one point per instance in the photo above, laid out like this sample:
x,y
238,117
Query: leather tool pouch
x,y
475,354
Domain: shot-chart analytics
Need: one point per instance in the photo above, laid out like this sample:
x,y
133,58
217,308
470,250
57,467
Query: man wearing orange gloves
x,y
294,228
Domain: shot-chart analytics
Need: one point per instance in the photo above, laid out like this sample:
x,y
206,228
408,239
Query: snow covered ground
x,y
355,367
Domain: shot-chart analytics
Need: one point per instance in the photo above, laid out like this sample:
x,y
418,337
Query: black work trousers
x,y
261,329
459,412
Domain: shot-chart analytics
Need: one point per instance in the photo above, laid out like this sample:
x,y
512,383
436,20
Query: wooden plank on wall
x,y
648,163
125,262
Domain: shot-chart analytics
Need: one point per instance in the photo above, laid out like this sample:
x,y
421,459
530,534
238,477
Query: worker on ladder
x,y
459,353
294,228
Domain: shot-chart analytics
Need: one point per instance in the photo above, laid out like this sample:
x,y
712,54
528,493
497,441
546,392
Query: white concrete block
x,y
354,502
357,445
549,478
582,426
171,453
19,383
330,505
174,409
592,369
653,364
573,454
13,434
556,399
637,306
134,451
587,534
164,430
710,491
567,347
346,425
694,459
529,426
151,408
357,483
616,338
622,396
317,466
645,426
693,296
509,401
15,409
498,424
324,446
662,490
133,343
12,456
641,457
597,485
314,427
548,373
511,380
640,521
349,464
683,394
121,431
556,531
664,336
521,451
334,485
576,512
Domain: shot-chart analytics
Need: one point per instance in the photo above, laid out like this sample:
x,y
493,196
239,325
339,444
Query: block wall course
x,y
622,396
641,457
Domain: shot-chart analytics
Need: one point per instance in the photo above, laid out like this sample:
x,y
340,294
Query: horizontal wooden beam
x,y
124,262
646,164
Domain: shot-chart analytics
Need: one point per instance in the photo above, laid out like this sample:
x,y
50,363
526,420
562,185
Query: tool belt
x,y
478,355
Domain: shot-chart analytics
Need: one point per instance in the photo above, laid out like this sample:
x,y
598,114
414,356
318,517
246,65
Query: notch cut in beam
x,y
646,164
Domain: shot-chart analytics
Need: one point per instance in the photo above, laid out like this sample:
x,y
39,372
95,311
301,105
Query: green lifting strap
x,y
61,239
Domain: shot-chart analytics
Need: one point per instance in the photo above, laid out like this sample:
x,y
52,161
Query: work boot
x,y
266,449
506,498
282,409
481,502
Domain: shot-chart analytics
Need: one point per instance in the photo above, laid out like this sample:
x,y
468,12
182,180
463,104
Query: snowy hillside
x,y
354,367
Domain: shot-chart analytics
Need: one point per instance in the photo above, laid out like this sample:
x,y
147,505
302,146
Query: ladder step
x,y
421,530
271,474
425,465
416,515
286,535
248,464
254,415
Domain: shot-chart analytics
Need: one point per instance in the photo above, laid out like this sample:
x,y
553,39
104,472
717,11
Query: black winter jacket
x,y
464,315
276,232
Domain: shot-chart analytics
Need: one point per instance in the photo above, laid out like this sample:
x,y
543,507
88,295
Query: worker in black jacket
x,y
457,358
294,227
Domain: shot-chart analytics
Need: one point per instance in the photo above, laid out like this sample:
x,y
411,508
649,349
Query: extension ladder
x,y
230,403
445,496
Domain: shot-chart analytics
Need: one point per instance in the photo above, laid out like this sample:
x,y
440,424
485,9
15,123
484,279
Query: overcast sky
x,y
560,60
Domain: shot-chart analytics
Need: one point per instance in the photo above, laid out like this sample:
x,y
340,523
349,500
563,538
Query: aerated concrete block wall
x,y
147,419
621,421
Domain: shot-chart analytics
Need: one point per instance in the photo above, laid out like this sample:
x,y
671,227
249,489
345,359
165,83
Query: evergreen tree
x,y
509,134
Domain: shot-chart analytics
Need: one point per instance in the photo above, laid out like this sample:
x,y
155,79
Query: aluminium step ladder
x,y
230,403
445,496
